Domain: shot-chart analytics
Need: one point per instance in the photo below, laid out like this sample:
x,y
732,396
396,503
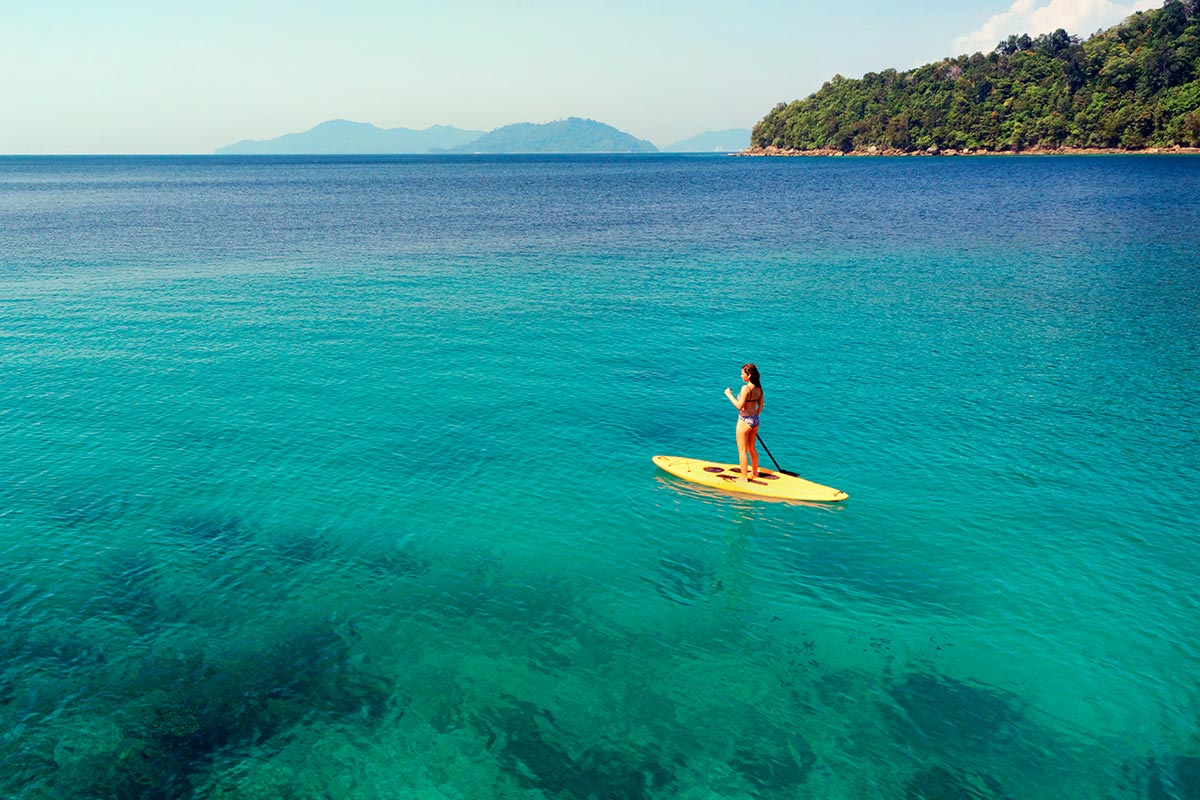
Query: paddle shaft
x,y
773,461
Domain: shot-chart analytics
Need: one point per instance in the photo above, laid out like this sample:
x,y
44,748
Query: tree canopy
x,y
1133,86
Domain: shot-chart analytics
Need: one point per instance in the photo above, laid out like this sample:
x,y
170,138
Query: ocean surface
x,y
331,478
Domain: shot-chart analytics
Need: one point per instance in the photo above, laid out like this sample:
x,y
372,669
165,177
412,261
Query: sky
x,y
146,76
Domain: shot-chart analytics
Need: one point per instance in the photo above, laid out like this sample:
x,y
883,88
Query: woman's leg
x,y
752,441
743,442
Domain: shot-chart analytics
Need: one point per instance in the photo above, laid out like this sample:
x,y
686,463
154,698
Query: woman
x,y
749,404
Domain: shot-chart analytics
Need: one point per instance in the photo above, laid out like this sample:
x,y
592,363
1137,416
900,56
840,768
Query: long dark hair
x,y
753,372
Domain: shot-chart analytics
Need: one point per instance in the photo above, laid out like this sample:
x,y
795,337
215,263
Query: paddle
x,y
776,463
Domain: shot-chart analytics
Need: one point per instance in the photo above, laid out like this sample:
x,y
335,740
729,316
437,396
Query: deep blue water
x,y
330,477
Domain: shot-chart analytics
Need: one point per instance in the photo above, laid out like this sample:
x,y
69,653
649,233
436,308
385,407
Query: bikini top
x,y
750,398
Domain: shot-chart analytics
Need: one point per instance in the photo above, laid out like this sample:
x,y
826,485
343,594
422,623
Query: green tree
x,y
1134,85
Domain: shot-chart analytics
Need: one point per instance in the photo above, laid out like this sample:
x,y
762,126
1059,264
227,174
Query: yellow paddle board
x,y
729,476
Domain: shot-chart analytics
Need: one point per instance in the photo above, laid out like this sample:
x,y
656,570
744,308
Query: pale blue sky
x,y
146,76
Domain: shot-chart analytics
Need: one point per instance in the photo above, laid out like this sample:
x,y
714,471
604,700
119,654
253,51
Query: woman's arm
x,y
740,400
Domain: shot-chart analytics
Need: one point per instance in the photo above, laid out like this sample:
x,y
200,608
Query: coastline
x,y
934,151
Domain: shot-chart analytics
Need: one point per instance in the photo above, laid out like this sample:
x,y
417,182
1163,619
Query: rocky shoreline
x,y
935,151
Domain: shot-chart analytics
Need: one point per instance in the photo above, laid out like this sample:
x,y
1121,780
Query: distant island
x,y
571,135
1133,87
336,137
732,140
340,136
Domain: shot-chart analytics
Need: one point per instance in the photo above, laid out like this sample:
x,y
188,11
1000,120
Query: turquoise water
x,y
331,478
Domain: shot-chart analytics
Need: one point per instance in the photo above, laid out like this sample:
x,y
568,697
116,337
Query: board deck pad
x,y
769,483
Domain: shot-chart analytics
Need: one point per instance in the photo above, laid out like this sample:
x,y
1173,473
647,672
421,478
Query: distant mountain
x,y
340,136
571,135
733,140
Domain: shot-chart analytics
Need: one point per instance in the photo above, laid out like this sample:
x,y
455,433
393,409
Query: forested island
x,y
1133,87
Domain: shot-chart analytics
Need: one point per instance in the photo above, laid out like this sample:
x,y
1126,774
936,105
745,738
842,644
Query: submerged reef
x,y
782,764
194,710
941,713
684,579
220,532
939,783
1174,778
127,590
526,738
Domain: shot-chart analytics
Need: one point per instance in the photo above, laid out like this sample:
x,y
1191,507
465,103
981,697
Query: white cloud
x,y
1079,17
